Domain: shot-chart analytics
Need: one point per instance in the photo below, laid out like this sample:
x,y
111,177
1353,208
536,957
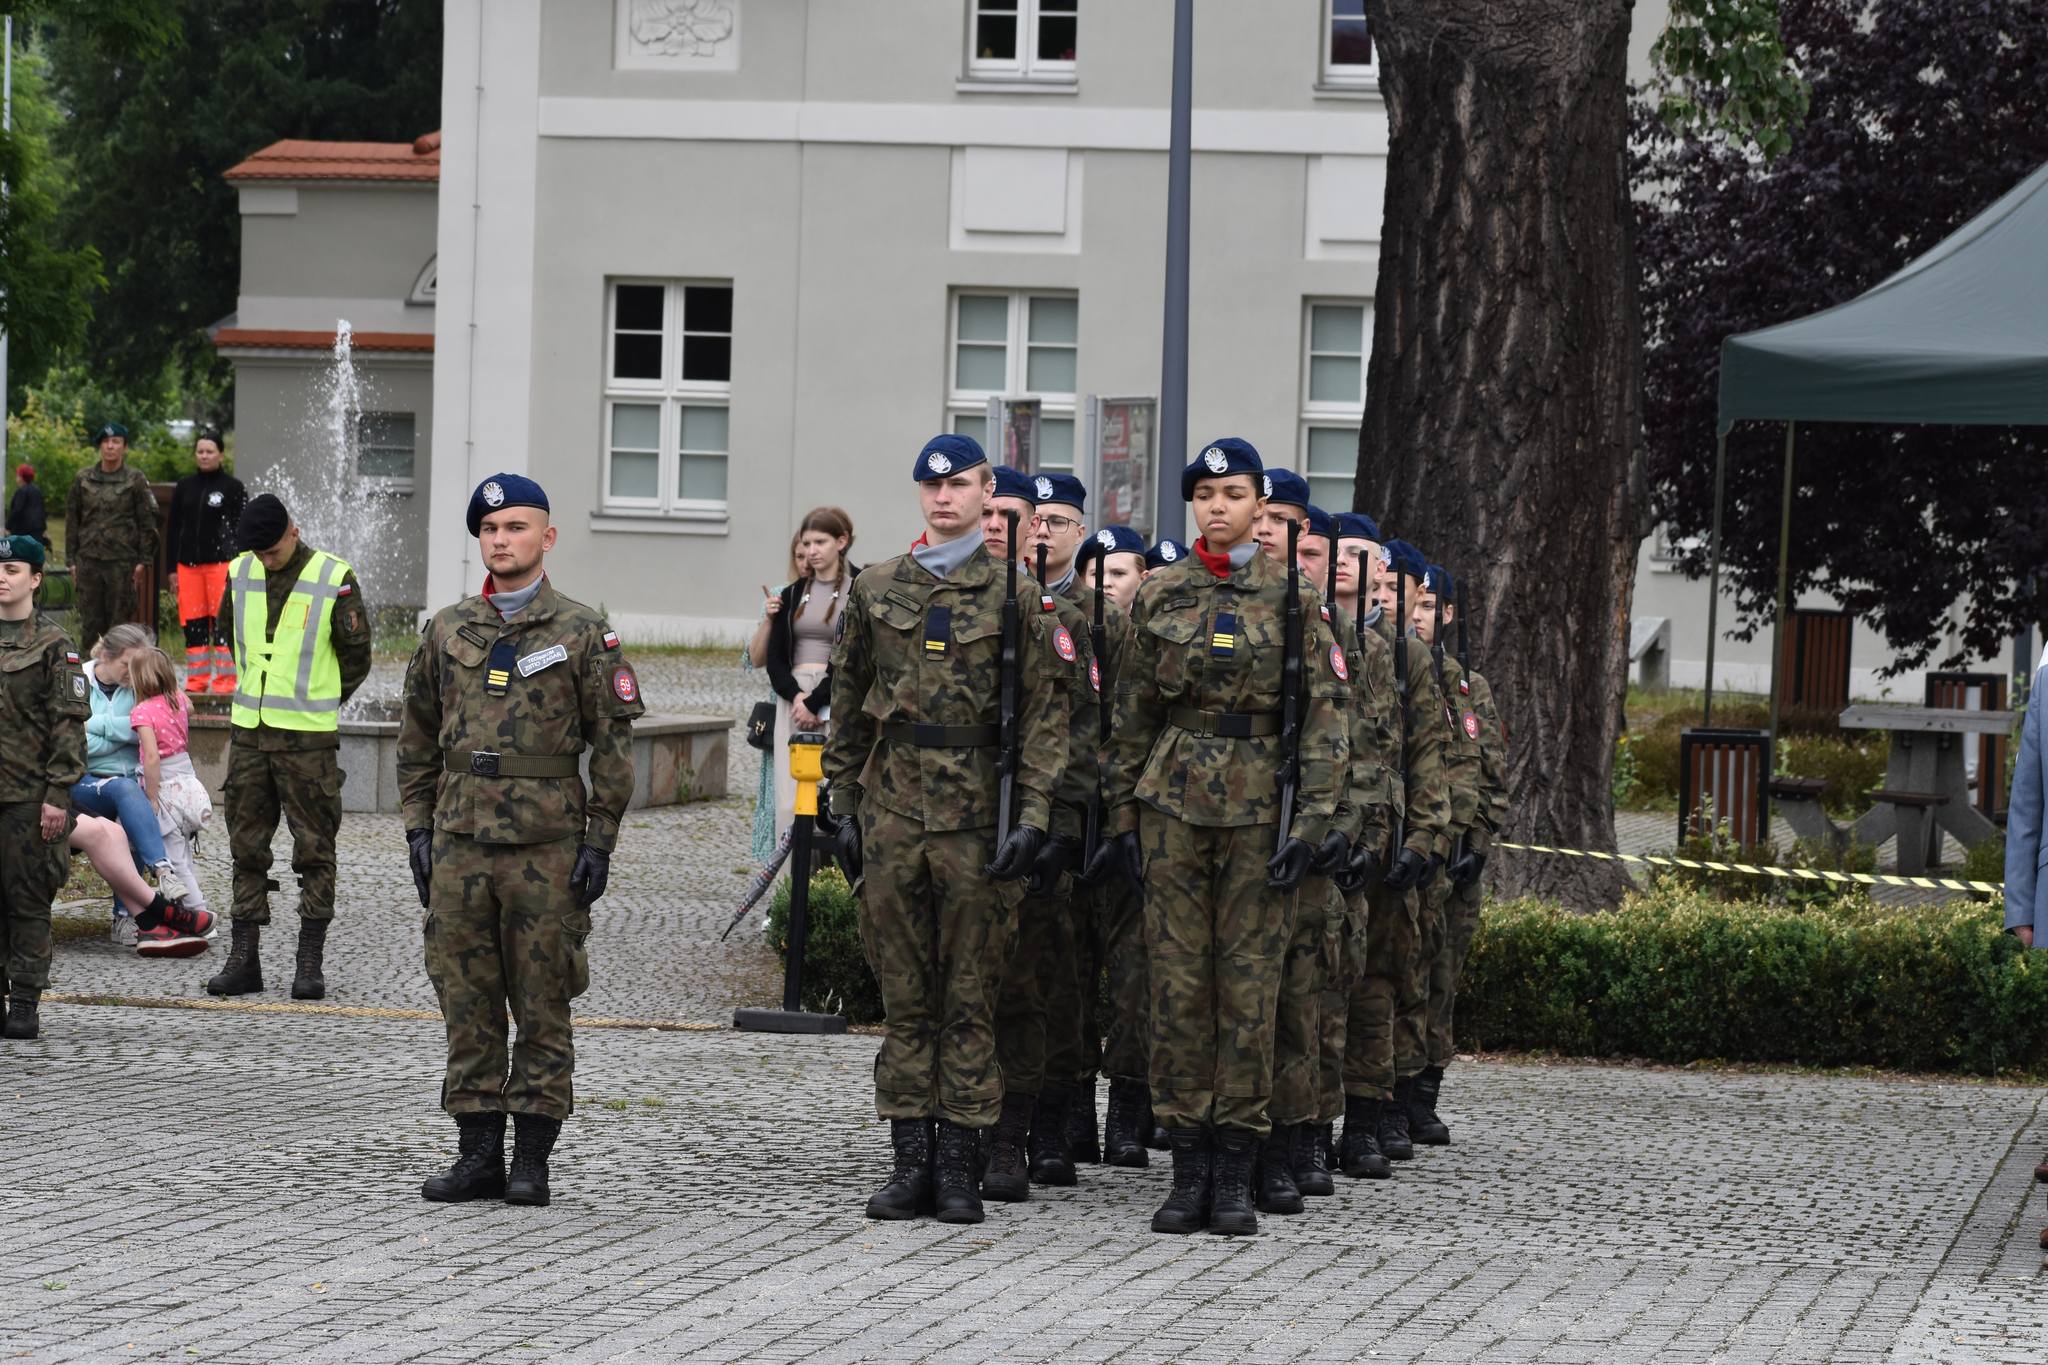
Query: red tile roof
x,y
297,159
280,339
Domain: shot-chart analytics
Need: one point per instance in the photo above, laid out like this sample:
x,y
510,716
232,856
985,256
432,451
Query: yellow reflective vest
x,y
290,680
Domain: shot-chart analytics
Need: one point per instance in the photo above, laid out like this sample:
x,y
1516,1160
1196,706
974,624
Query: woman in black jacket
x,y
204,510
25,514
803,621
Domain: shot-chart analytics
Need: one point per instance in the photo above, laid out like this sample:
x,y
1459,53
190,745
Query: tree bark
x,y
1502,419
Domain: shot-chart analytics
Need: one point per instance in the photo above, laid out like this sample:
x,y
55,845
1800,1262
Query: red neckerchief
x,y
491,586
1218,564
923,541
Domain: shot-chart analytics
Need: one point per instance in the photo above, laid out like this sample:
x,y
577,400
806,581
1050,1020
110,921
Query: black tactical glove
x,y
1061,852
1018,853
1361,869
419,847
846,848
592,871
1116,853
1410,870
1467,869
1331,854
1285,870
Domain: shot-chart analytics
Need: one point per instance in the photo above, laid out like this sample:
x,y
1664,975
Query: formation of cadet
x,y
1241,788
504,695
111,534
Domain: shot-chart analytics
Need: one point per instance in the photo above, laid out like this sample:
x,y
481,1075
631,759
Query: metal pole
x,y
1173,365
1784,578
1714,578
799,911
6,125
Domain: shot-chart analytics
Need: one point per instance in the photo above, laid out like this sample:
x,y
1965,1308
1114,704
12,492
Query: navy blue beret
x,y
1012,483
1164,553
1439,581
1404,558
503,490
947,454
1060,488
1286,487
1110,540
1319,524
1357,526
1219,459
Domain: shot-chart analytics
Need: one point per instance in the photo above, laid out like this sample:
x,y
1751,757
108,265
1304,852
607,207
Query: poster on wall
x,y
1121,450
1013,422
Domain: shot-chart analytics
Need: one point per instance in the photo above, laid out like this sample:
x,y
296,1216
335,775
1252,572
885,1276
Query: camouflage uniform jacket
x,y
111,517
1461,749
1425,804
916,649
1493,765
1076,790
1371,797
567,686
350,637
42,714
1186,654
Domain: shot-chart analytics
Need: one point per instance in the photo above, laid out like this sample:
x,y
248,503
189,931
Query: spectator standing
x,y
205,508
110,534
162,722
26,515
802,624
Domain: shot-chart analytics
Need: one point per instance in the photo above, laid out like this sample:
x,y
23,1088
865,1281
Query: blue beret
x,y
1012,483
1287,488
1231,455
110,429
1404,558
1357,526
1110,540
1167,551
1319,524
503,490
1439,581
1060,488
27,549
947,454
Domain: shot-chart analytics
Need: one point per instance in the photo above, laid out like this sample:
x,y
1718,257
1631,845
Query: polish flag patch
x,y
611,639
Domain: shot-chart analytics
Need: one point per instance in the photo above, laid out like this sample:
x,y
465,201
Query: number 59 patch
x,y
624,685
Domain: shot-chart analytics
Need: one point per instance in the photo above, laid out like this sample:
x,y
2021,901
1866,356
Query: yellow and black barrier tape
x,y
1804,874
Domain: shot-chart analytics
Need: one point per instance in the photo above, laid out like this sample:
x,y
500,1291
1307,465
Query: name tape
x,y
1804,874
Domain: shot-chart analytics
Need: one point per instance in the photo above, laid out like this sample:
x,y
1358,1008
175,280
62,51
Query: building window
x,y
1021,40
1347,45
384,450
1017,346
668,396
1337,337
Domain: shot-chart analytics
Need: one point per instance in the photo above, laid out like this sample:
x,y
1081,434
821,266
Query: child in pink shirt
x,y
162,724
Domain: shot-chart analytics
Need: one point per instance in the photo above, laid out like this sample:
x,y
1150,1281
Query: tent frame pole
x,y
1784,579
1714,579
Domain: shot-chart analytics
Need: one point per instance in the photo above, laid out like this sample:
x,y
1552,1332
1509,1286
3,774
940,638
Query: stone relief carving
x,y
679,34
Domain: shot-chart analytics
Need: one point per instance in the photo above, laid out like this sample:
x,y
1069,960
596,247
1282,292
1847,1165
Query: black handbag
x,y
761,726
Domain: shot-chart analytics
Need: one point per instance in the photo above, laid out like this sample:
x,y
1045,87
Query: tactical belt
x,y
1225,724
486,763
943,736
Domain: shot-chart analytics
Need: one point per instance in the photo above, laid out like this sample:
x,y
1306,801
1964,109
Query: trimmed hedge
x,y
836,976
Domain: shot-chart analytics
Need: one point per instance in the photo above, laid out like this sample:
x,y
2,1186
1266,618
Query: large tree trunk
x,y
1502,414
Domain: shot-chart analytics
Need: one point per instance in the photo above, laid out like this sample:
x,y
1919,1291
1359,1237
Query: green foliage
x,y
1624,779
1674,976
1852,764
46,277
51,429
836,975
1984,862
1820,855
1722,67
1811,744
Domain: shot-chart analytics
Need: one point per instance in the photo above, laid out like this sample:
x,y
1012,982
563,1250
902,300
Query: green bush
x,y
1851,764
1811,744
836,975
51,432
1675,976
1818,854
1984,862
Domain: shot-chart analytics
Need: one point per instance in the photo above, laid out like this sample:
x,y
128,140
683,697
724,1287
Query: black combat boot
x,y
1274,1177
307,982
1050,1164
958,1196
1122,1143
1423,1124
242,973
1360,1156
1394,1139
1230,1198
1187,1207
1309,1156
533,1138
22,1023
479,1169
1084,1145
1006,1178
908,1191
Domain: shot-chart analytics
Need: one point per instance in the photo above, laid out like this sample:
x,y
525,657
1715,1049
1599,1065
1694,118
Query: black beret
x,y
264,522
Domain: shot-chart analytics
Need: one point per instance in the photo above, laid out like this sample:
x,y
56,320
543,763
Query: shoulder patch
x,y
624,684
1326,615
1471,726
70,656
1063,643
1095,674
345,590
78,686
1464,688
1337,664
611,639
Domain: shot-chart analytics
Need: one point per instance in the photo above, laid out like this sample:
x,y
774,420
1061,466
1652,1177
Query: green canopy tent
x,y
1957,337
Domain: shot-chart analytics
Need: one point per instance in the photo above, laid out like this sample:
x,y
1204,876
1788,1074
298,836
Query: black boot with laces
x,y
479,1169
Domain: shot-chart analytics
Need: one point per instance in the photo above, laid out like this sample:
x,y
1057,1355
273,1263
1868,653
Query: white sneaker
x,y
123,932
168,885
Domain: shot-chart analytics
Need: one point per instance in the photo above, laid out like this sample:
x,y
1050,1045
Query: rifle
x,y
1290,691
1098,641
1006,751
1436,647
1401,696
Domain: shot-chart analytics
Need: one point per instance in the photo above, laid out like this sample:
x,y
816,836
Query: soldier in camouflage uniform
x,y
1459,893
42,752
505,692
1195,770
110,523
300,632
913,764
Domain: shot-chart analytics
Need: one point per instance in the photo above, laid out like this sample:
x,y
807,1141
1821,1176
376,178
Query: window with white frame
x,y
1022,40
1347,45
1016,345
1336,338
384,450
668,397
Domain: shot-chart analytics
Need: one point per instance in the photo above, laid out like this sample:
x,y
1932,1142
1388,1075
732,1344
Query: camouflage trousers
x,y
1218,943
1120,934
302,785
1345,946
504,934
31,871
1381,973
1073,1032
1447,968
1023,1017
938,934
1411,1015
105,593
1298,1035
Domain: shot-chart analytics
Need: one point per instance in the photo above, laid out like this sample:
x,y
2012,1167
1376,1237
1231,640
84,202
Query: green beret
x,y
109,429
26,549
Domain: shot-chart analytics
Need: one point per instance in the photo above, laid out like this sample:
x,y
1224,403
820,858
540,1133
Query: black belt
x,y
943,736
1225,724
486,763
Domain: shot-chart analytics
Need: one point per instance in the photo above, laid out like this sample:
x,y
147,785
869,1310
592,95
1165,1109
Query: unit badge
x,y
1063,643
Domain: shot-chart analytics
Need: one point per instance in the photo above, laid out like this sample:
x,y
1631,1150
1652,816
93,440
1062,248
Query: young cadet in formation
x,y
1201,786
920,787
508,851
42,752
1459,894
1166,553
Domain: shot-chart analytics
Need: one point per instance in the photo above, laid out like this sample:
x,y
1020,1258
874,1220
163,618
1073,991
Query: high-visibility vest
x,y
290,680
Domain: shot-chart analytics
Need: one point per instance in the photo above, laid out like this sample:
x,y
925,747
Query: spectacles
x,y
1058,525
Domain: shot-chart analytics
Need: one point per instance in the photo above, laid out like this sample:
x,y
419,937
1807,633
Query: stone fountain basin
x,y
676,758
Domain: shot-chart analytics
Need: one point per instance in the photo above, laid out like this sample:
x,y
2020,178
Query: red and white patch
x,y
624,684
345,590
1045,603
611,639
69,657
1337,664
1326,615
1063,643
1095,675
1471,726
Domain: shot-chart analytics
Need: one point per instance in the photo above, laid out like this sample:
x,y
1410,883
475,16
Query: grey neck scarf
x,y
510,604
941,561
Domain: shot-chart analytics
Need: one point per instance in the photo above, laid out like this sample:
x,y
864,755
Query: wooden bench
x,y
1917,832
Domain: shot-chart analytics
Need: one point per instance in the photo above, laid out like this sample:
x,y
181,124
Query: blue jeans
x,y
121,798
